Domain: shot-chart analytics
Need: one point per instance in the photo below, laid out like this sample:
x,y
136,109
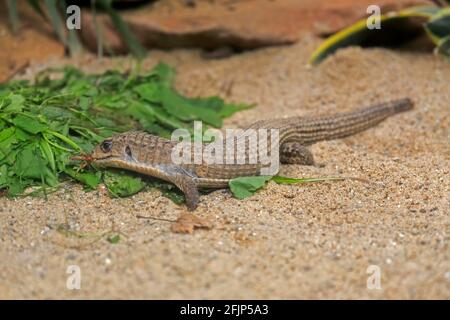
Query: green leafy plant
x,y
43,124
435,19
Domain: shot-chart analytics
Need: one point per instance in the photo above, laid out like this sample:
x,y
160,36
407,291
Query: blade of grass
x,y
87,133
55,20
131,41
55,144
37,7
98,30
13,15
65,139
48,153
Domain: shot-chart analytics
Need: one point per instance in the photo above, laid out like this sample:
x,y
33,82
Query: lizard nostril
x,y
128,151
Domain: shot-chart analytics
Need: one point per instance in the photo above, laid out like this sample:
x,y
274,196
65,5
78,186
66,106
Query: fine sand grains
x,y
288,241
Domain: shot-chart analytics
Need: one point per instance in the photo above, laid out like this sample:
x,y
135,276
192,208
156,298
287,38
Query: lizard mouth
x,y
100,160
88,159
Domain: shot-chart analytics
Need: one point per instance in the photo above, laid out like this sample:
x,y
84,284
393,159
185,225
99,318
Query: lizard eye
x,y
106,146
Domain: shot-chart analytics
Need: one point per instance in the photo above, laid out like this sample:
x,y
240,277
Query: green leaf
x,y
118,101
229,109
420,11
15,187
164,73
7,133
165,119
29,164
114,239
245,187
444,46
149,91
439,26
3,176
122,184
91,180
29,124
7,140
359,34
184,108
15,104
21,135
54,112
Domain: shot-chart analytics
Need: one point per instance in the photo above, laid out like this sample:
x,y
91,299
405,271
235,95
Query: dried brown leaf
x,y
187,222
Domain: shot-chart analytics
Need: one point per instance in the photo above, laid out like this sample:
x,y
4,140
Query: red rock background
x,y
241,24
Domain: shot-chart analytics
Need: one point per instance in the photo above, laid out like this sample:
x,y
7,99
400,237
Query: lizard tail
x,y
342,125
402,105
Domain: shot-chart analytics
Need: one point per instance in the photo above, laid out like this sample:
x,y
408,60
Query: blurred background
x,y
35,30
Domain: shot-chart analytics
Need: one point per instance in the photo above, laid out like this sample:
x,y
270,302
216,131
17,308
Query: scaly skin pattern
x,y
152,155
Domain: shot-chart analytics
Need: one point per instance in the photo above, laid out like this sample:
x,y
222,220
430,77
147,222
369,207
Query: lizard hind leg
x,y
188,186
296,153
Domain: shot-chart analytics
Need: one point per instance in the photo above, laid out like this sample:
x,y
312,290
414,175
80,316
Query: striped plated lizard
x,y
152,155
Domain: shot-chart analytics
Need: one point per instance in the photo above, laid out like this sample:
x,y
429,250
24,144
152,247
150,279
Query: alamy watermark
x,y
73,281
374,20
249,146
73,21
374,280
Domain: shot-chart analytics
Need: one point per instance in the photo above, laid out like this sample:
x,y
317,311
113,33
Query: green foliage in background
x,y
43,124
436,22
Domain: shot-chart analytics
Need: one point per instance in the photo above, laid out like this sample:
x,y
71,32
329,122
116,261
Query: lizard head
x,y
124,149
111,150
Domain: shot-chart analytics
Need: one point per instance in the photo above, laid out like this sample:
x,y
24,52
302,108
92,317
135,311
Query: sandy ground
x,y
288,241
